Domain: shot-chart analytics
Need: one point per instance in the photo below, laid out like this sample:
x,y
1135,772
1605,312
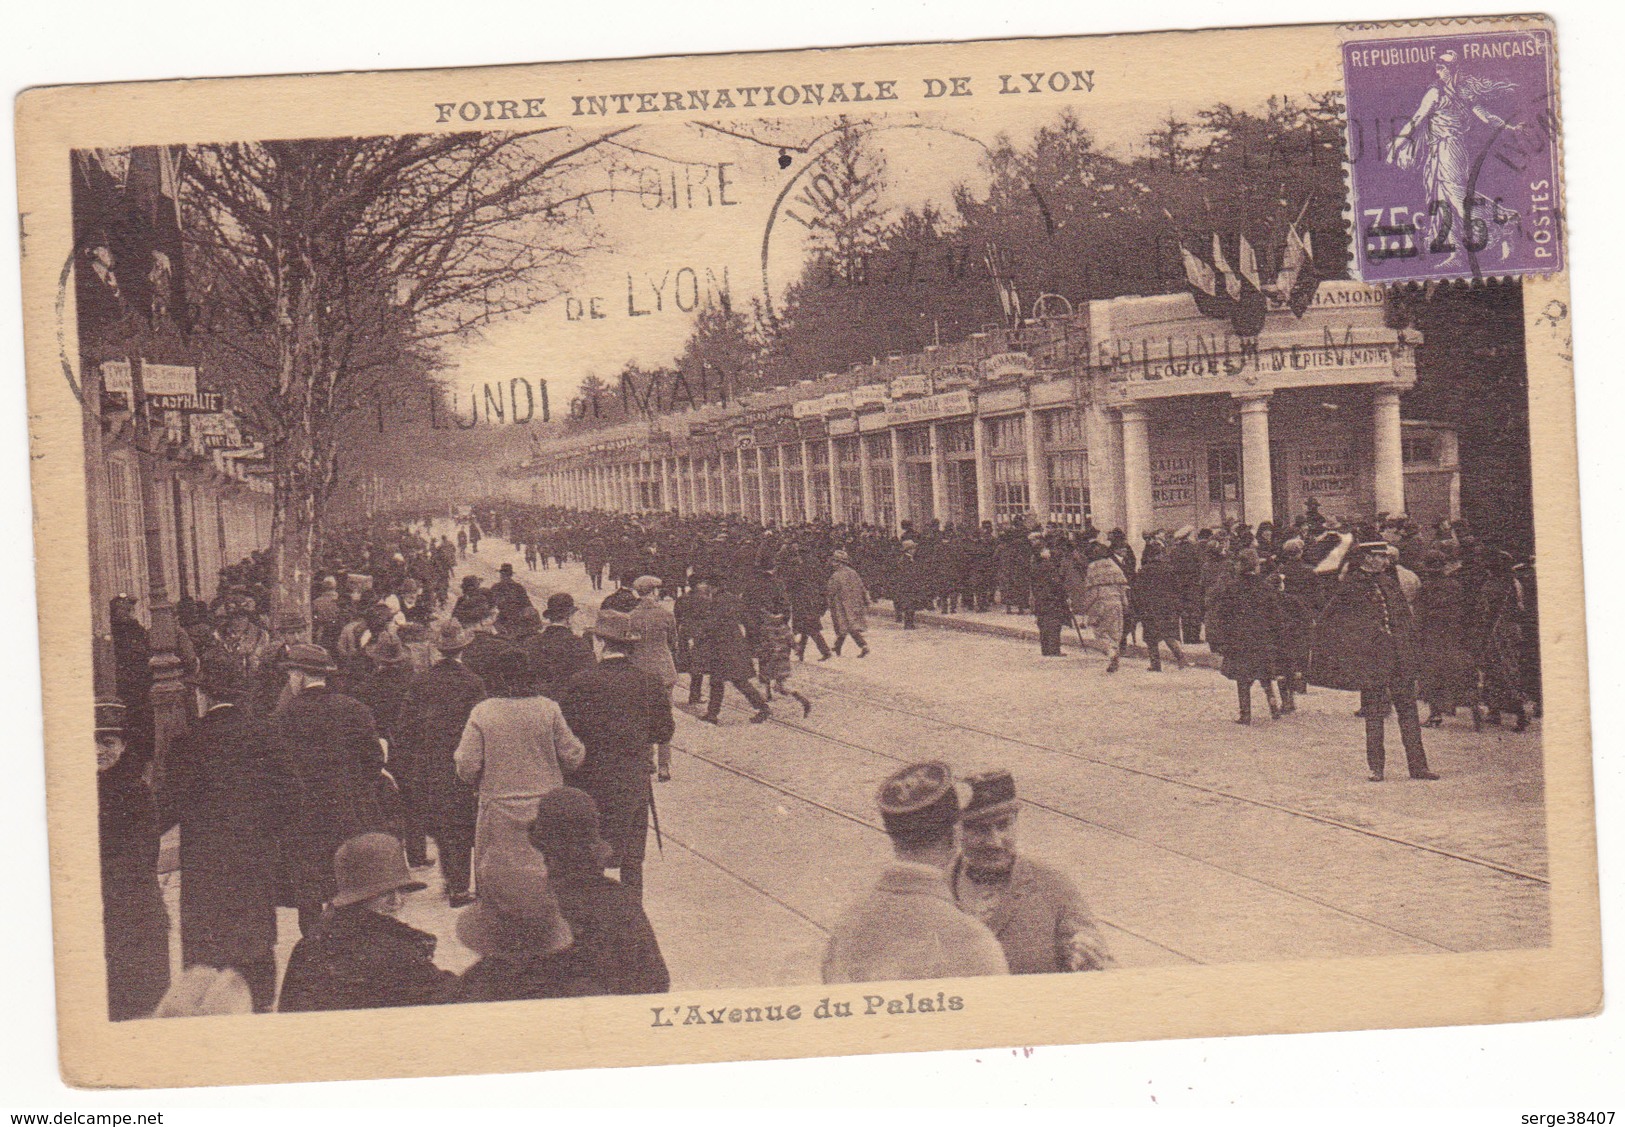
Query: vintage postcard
x,y
811,553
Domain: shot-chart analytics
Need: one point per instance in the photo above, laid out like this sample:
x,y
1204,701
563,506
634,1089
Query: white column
x,y
784,488
1257,500
739,479
762,515
1136,472
901,501
984,470
668,500
837,503
1388,459
939,476
1105,501
808,509
1037,479
866,489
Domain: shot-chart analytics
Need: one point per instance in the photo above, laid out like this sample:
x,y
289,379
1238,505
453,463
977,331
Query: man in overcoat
x,y
722,650
1365,640
559,652
613,936
1034,910
848,603
620,713
135,926
325,744
427,730
223,791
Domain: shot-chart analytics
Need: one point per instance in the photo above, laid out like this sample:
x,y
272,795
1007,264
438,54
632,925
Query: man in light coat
x,y
908,927
1035,911
848,604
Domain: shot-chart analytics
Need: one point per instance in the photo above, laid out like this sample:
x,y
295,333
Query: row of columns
x,y
1258,495
683,486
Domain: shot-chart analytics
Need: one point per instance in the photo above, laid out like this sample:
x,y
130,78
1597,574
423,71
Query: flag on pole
x,y
1204,285
1232,284
1199,274
1304,281
1248,264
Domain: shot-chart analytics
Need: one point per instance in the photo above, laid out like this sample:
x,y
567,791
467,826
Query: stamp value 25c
x,y
1453,160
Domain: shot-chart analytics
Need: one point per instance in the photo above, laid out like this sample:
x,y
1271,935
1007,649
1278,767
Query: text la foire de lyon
x,y
705,99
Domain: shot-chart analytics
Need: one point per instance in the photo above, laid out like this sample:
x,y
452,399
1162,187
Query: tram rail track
x,y
1217,792
1091,824
788,792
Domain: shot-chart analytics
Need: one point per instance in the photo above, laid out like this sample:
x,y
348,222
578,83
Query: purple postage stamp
x,y
1453,157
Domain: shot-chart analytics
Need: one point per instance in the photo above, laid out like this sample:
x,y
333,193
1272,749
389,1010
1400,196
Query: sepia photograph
x,y
810,553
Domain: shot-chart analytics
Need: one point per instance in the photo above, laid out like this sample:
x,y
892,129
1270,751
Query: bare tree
x,y
327,269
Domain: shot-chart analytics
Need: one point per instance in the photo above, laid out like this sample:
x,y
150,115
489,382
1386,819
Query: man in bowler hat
x,y
559,652
908,927
620,713
1034,910
613,936
427,730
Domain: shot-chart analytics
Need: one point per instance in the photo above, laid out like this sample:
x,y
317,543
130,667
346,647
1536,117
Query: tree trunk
x,y
293,547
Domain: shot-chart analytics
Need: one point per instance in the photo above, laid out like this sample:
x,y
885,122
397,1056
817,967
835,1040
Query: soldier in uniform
x,y
1035,911
908,927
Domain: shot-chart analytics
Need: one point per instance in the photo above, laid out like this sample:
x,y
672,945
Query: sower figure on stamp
x,y
1365,641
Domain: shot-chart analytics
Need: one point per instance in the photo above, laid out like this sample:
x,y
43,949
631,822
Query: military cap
x,y
110,716
614,626
310,658
992,793
919,799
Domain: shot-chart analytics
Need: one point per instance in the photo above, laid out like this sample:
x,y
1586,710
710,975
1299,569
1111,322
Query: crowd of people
x,y
317,773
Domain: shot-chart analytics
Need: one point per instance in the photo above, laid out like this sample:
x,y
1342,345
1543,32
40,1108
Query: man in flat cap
x,y
908,927
1035,911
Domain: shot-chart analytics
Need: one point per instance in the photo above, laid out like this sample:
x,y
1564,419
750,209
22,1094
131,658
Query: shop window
x,y
792,457
956,438
1010,496
1223,475
1004,435
1421,447
770,457
885,500
846,450
1063,427
1069,489
819,450
879,446
916,442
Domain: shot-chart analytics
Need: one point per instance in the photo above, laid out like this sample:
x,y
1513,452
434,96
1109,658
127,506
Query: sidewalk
x,y
1023,626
